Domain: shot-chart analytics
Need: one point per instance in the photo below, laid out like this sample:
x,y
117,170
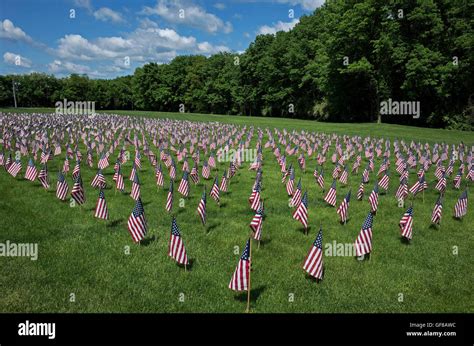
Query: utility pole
x,y
14,94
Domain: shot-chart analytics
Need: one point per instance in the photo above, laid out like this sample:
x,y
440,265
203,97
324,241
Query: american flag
x,y
103,162
384,181
201,209
99,180
194,173
77,192
224,182
173,170
176,245
159,176
206,171
15,168
360,191
457,180
365,175
240,279
290,183
8,162
62,187
257,222
441,185
101,211
215,190
313,263
183,187
212,161
363,243
344,207
406,224
76,170
331,195
402,191
296,199
133,172
437,211
232,169
66,165
344,176
119,184
169,198
286,173
31,171
374,198
137,222
43,176
138,162
420,185
135,194
315,173
301,213
254,199
460,209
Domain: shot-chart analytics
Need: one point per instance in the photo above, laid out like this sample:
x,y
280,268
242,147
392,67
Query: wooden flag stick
x,y
250,273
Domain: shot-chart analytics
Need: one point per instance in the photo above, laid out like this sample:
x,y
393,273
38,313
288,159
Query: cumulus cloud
x,y
279,26
147,42
16,59
11,32
66,67
187,13
106,14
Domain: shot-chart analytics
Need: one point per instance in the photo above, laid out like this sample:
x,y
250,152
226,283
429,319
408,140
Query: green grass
x,y
85,256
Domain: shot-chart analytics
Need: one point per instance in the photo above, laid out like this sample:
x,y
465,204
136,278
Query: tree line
x,y
337,64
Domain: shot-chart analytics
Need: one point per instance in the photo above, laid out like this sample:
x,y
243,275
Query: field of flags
x,y
229,223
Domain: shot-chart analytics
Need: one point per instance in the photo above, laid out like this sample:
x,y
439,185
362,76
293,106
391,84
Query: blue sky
x,y
105,39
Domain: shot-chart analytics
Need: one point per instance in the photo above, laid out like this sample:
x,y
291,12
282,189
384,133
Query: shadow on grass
x,y
433,226
211,227
115,223
147,241
223,204
404,240
254,294
305,231
264,242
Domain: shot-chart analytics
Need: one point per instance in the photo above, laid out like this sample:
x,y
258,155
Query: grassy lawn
x,y
87,257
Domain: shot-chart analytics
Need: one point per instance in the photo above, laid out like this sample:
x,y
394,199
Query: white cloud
x,y
183,12
16,59
206,48
66,67
219,5
57,66
279,26
309,5
106,14
9,31
84,4
146,43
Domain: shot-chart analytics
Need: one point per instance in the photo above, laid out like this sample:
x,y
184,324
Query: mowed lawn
x,y
84,256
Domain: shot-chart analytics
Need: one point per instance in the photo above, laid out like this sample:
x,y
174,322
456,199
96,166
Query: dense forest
x,y
336,64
